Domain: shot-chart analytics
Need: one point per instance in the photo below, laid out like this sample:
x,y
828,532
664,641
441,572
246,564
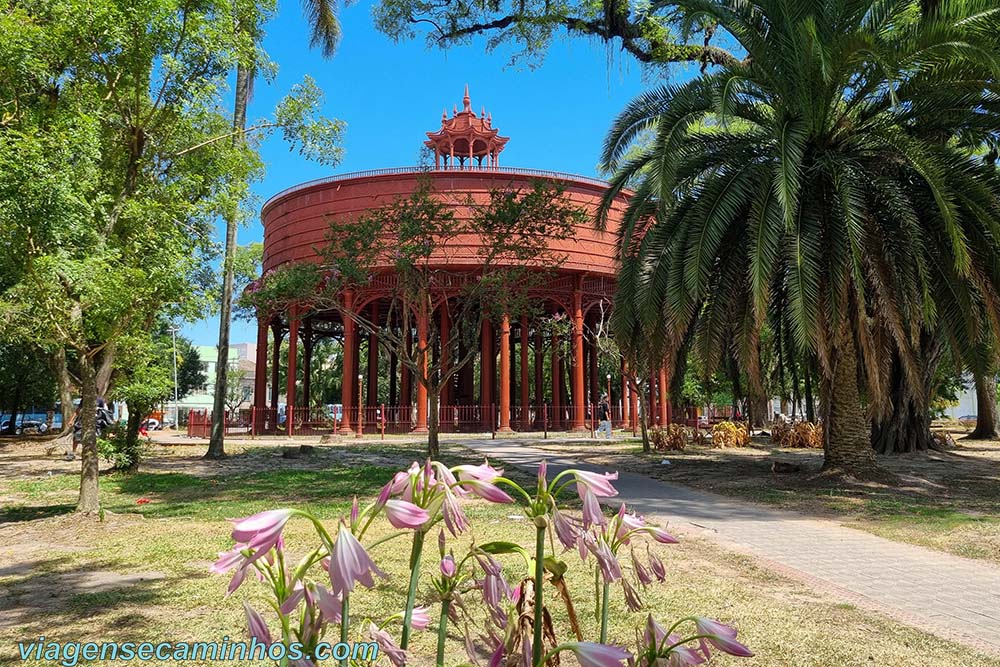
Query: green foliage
x,y
653,34
825,187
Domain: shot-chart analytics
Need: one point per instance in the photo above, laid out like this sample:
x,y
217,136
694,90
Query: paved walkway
x,y
951,597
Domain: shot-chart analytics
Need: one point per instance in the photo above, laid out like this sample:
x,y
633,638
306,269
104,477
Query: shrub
x,y
672,437
801,435
730,434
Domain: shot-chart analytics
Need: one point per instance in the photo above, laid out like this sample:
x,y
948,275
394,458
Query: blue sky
x,y
390,94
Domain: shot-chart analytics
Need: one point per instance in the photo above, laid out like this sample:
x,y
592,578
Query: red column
x,y
524,373
653,412
505,374
371,398
405,395
293,349
486,374
445,400
422,354
275,366
347,392
557,405
664,398
539,381
260,377
579,414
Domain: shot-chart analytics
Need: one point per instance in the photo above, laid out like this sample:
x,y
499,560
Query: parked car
x,y
969,419
151,424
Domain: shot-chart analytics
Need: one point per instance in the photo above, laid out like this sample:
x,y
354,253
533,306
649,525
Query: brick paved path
x,y
951,597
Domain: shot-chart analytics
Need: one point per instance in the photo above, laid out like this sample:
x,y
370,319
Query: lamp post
x,y
361,409
173,336
609,398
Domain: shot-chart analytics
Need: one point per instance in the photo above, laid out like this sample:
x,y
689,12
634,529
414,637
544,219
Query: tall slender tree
x,y
249,17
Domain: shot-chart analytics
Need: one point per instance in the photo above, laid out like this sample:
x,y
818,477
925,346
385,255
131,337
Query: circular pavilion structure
x,y
524,376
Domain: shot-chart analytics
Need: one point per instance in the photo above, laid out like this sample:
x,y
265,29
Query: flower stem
x,y
604,611
536,646
442,631
344,624
411,596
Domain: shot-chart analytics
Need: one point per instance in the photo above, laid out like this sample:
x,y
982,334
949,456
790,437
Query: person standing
x,y
604,417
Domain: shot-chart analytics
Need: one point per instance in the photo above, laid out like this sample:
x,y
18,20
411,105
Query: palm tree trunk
x,y
986,402
847,445
907,426
216,445
89,501
810,403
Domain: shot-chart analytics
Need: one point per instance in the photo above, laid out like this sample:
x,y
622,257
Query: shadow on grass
x,y
326,492
17,513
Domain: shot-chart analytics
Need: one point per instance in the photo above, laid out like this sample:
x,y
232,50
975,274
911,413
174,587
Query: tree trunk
x,y
89,502
810,402
986,402
65,389
433,426
216,443
643,426
907,426
132,447
15,407
847,444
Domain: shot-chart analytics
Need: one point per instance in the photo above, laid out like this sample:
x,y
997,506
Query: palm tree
x,y
819,177
249,16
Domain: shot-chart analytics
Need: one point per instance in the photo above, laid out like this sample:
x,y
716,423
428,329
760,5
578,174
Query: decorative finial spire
x,y
482,112
466,101
454,110
444,114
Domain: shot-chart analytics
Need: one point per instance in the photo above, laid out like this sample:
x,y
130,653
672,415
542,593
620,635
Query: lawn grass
x,y
49,567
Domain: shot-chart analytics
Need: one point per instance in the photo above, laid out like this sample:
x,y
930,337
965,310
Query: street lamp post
x,y
609,398
173,336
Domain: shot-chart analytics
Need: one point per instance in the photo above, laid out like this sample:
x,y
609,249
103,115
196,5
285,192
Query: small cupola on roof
x,y
466,137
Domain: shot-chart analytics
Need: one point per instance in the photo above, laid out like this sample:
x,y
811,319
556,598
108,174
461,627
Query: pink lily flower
x,y
330,605
656,565
723,637
386,645
228,560
449,480
404,514
448,566
256,625
591,654
355,511
526,651
496,659
261,529
583,544
350,563
632,600
420,618
592,514
454,518
653,633
610,568
641,571
566,530
597,483
661,536
487,491
543,471
293,600
482,473
683,656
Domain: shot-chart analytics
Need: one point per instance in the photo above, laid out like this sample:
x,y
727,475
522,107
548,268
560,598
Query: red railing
x,y
396,420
